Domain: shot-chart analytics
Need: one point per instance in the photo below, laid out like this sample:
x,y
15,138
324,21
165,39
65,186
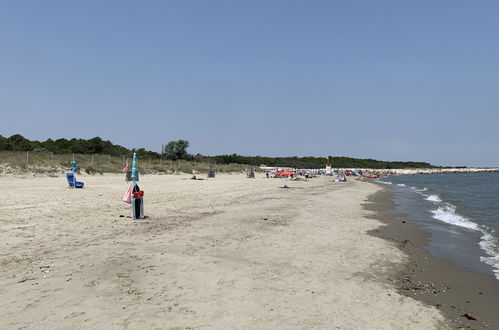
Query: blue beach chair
x,y
72,181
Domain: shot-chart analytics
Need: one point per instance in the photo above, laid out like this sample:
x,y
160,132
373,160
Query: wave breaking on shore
x,y
447,213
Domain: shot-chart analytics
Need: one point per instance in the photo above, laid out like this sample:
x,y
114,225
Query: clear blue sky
x,y
391,80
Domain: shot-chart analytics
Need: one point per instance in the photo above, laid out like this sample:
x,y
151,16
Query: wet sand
x,y
222,253
458,293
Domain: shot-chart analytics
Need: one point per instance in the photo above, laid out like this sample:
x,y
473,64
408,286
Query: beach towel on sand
x,y
127,197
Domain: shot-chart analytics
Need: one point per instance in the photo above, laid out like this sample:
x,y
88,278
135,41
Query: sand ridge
x,y
228,252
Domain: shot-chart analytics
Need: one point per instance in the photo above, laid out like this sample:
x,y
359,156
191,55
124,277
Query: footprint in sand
x,y
92,283
73,315
225,283
186,310
30,305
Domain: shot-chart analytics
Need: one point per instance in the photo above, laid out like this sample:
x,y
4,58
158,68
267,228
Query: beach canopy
x,y
286,172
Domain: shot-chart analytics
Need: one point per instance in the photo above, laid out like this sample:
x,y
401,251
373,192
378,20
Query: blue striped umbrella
x,y
135,171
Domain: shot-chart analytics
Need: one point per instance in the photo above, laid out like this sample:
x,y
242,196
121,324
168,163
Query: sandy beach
x,y
220,253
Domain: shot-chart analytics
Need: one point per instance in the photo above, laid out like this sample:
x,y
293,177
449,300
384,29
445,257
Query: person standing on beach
x,y
126,169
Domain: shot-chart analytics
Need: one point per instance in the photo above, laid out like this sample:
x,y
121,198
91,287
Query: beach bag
x,y
127,197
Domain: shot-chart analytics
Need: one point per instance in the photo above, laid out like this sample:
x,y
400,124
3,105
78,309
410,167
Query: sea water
x,y
461,211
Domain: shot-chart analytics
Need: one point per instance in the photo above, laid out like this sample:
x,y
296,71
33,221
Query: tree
x,y
175,150
19,143
4,144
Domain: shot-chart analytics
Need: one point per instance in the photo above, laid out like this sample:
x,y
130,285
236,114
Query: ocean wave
x,y
447,214
433,198
416,189
384,182
494,262
401,185
488,242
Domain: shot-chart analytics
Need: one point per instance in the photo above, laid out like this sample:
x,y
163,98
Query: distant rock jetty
x,y
366,172
443,170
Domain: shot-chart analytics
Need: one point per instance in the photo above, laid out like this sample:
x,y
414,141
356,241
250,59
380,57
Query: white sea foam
x,y
401,185
384,182
494,262
419,191
488,242
489,245
447,213
433,198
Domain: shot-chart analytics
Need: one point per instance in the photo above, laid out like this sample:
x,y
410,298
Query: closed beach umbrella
x,y
135,171
134,176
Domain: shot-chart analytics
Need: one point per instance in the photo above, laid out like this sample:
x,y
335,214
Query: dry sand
x,y
223,253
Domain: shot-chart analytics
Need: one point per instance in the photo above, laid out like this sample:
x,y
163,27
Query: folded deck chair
x,y
72,181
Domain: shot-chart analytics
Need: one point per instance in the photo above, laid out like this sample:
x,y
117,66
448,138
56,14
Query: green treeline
x,y
98,146
95,145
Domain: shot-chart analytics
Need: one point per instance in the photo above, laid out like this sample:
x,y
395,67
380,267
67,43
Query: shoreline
x,y
436,282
